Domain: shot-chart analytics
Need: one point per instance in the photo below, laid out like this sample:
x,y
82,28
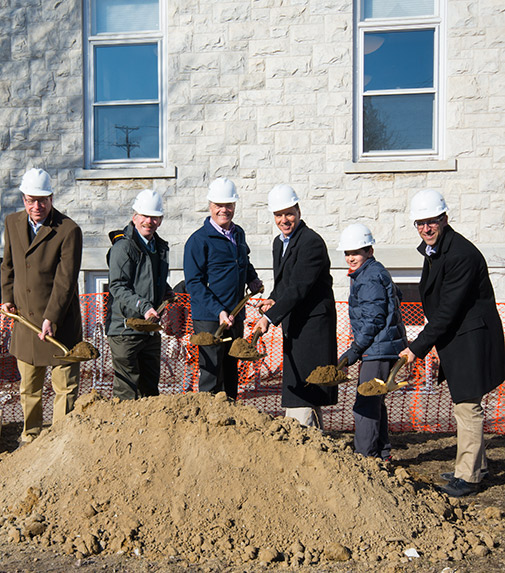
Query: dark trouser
x,y
218,370
371,436
136,363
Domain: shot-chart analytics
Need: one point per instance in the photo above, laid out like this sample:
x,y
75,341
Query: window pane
x,y
398,122
399,60
397,8
113,16
126,132
126,72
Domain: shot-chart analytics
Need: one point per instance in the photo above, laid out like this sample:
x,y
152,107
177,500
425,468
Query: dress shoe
x,y
447,476
458,487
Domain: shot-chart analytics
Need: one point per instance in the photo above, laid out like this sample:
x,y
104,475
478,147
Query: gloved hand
x,y
352,356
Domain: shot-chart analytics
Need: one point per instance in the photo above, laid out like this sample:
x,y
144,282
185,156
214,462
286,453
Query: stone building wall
x,y
260,91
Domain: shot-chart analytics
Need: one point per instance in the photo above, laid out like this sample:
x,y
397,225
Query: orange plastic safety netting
x,y
423,405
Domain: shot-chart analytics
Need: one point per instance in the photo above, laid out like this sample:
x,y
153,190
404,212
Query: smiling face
x,y
430,230
287,219
222,213
146,225
38,208
357,258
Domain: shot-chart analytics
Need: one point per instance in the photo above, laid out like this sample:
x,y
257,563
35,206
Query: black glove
x,y
352,355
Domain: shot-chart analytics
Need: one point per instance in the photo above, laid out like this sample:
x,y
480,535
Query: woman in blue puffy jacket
x,y
378,335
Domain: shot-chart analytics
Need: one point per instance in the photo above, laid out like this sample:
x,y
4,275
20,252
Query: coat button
x,y
27,265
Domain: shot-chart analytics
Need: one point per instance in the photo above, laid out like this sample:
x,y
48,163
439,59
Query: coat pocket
x,y
471,324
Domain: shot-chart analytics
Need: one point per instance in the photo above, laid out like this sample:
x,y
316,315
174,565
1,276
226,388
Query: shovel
x,y
81,352
209,339
377,387
244,350
149,324
330,375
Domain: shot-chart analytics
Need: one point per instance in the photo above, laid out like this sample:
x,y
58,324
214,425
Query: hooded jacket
x,y
374,311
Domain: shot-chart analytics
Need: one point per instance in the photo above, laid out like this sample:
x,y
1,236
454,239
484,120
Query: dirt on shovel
x,y
150,324
377,387
244,350
330,375
83,351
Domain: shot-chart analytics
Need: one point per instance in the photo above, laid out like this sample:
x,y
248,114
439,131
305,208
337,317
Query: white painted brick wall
x,y
260,91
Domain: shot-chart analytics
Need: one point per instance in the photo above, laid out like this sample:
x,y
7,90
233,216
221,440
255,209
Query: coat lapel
x,y
432,265
23,231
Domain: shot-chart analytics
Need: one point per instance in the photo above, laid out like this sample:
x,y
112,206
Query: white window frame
x,y
90,41
437,22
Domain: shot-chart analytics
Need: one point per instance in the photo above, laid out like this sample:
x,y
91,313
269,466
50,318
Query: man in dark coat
x,y
40,270
303,301
465,328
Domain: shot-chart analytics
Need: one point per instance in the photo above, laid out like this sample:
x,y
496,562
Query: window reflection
x,y
126,72
126,132
399,60
398,122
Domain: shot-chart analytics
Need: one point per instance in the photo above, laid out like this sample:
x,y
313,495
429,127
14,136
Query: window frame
x,y
122,39
436,23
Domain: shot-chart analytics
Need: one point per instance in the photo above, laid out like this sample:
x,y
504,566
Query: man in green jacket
x,y
138,272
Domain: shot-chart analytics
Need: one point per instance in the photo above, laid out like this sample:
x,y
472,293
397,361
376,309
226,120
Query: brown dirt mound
x,y
201,478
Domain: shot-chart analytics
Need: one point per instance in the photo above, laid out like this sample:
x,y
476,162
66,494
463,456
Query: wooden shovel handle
x,y
36,329
342,363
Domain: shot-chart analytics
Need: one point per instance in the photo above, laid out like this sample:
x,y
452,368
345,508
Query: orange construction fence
x,y
423,405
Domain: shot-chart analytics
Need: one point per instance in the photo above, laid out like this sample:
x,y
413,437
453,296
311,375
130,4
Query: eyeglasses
x,y
39,200
429,222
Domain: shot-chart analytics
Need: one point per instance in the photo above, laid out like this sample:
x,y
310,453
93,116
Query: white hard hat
x,y
281,197
36,182
354,237
148,203
427,203
222,190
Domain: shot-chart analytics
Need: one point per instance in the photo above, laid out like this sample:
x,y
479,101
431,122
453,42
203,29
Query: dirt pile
x,y
197,477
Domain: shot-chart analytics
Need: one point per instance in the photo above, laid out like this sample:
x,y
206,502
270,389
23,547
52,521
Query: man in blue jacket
x,y
465,328
216,270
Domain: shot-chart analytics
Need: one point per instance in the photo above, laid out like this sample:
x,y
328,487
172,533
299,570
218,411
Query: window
x,y
398,87
124,84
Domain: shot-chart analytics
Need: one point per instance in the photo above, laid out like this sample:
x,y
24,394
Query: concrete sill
x,y
126,173
410,166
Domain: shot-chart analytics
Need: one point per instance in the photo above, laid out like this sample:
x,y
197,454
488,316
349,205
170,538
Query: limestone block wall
x,y
260,91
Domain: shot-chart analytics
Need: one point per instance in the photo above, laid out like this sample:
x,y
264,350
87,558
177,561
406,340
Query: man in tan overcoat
x,y
40,269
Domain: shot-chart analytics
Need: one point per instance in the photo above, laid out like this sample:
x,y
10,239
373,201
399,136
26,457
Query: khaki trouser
x,y
471,453
65,382
312,417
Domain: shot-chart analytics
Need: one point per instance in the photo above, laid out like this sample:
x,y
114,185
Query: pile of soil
x,y
196,477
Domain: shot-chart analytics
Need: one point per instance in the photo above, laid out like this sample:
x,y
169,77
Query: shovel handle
x,y
256,337
235,311
390,382
342,363
36,329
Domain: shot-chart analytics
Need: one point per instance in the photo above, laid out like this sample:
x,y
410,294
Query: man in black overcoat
x,y
465,328
303,301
